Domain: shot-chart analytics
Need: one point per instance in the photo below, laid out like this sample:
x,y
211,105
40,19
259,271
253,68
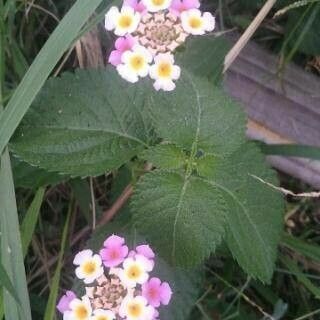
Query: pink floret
x,y
146,251
65,301
122,44
114,251
179,6
156,292
136,5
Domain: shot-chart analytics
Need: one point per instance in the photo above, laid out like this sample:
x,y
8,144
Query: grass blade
x,y
6,283
11,248
40,69
292,150
51,305
30,220
308,250
293,267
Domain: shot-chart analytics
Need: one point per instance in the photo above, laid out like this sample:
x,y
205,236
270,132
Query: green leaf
x,y
307,249
51,305
204,56
185,284
188,211
254,212
6,283
165,156
11,248
197,113
58,43
29,222
292,150
308,30
31,177
210,128
301,277
78,127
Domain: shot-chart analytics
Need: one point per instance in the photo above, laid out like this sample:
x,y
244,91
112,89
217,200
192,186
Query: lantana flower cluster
x,y
149,31
118,284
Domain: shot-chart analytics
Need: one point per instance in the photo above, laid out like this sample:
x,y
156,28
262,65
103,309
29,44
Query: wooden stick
x,y
244,39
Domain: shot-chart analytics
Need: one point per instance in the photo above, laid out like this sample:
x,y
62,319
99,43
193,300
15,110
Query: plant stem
x,y
244,39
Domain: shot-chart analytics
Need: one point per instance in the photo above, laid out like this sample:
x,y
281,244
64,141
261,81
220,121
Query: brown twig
x,y
106,217
313,194
110,213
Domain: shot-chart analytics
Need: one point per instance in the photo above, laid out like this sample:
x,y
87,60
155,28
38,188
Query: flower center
x,y
164,70
134,272
153,293
102,318
158,2
125,21
160,32
81,312
114,254
195,22
134,310
136,62
107,294
89,267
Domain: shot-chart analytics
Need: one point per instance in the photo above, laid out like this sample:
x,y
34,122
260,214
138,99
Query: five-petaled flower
x,y
90,266
152,30
119,288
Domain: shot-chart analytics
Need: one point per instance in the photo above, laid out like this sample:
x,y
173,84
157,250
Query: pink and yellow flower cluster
x,y
149,31
118,284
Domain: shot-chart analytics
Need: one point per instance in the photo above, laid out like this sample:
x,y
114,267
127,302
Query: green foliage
x,y
93,121
31,177
198,116
11,247
59,41
54,287
204,56
165,156
77,126
188,211
29,222
309,28
6,283
254,211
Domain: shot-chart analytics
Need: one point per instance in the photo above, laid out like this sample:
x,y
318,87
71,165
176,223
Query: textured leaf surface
x,y
31,177
165,156
183,217
254,210
197,113
83,124
204,56
185,283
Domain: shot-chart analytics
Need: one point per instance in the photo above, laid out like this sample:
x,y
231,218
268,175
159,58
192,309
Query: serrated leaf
x,y
254,212
165,156
31,177
83,124
185,283
204,56
183,217
197,113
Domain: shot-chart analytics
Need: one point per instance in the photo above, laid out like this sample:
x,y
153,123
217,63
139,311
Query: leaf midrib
x,y
194,147
234,197
120,134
